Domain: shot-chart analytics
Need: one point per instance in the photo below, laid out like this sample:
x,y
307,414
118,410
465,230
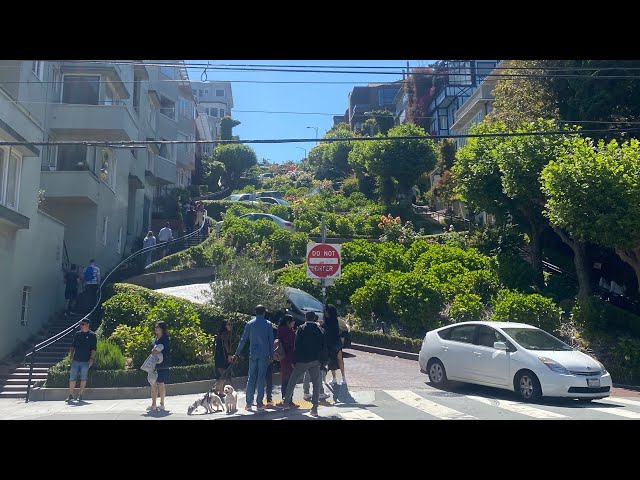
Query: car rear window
x,y
445,334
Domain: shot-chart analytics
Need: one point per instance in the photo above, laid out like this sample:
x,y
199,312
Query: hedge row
x,y
209,253
403,344
58,376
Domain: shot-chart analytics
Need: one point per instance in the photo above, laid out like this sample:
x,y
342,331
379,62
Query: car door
x,y
490,365
458,351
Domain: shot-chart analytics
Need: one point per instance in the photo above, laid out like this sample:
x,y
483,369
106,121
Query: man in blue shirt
x,y
259,332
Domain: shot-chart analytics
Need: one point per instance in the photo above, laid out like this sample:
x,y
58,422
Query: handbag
x,y
278,350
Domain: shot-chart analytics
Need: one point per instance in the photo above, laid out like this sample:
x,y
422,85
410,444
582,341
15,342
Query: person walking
x,y
268,378
161,338
149,241
222,354
91,283
71,279
199,218
287,338
190,219
83,354
310,352
334,343
164,236
259,333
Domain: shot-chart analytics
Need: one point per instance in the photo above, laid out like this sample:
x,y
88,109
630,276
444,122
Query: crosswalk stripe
x,y
628,401
360,414
515,407
435,409
620,412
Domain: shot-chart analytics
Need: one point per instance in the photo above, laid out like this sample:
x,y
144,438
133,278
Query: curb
x,y
628,387
385,351
122,393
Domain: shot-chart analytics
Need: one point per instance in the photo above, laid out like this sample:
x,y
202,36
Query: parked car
x,y
271,193
273,201
241,197
266,175
512,356
301,302
252,217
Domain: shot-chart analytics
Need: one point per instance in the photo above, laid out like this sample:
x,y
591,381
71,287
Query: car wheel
x,y
437,373
527,386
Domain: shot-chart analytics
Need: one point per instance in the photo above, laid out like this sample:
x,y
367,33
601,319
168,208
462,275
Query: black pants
x,y
269,383
91,295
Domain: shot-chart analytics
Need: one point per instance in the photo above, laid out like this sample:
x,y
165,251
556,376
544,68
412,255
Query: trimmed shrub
x,y
360,251
295,276
282,211
299,242
466,307
560,287
415,301
280,242
416,249
596,314
403,344
123,309
176,314
437,254
373,298
135,342
484,283
109,356
209,253
344,227
391,256
532,309
516,273
354,276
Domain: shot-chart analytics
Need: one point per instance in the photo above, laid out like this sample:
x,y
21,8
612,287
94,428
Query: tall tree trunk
x,y
535,230
579,260
631,256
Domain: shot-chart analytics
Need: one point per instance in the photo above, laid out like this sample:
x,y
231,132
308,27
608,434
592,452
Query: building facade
x,y
97,198
363,100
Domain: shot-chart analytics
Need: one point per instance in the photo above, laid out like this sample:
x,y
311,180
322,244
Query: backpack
x,y
278,350
88,274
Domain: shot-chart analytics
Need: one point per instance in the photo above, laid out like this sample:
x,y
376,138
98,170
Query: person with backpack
x,y
283,351
91,282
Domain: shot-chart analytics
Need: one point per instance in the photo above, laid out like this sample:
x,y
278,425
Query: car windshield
x,y
536,339
305,302
233,197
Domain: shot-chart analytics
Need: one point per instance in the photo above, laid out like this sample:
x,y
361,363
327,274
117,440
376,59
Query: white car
x,y
273,201
252,217
512,356
242,197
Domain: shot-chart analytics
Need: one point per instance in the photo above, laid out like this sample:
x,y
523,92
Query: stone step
x,y
22,394
19,381
35,369
24,375
14,388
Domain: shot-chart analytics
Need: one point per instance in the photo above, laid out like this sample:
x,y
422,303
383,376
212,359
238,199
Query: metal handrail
x,y
51,340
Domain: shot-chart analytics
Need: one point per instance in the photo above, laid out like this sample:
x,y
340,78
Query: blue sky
x,y
318,99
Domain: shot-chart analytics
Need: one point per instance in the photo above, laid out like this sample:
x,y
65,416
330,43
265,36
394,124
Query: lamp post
x,y
316,129
305,151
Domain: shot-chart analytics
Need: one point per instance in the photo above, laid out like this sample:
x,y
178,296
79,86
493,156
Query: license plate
x,y
593,382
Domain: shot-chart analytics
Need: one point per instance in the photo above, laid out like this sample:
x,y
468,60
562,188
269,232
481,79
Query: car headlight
x,y
553,365
604,370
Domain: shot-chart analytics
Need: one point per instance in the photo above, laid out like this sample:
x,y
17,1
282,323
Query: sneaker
x,y
150,408
79,398
69,399
334,383
344,381
314,412
307,397
323,396
260,408
248,407
161,408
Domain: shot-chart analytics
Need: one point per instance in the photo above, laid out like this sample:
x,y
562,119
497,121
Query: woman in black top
x,y
71,288
162,338
334,342
222,353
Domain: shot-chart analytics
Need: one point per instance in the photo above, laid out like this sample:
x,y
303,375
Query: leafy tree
x,y
330,160
226,127
212,171
447,153
384,121
594,195
236,159
396,163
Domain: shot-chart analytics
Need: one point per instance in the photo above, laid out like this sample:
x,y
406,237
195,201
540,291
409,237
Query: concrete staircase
x,y
14,383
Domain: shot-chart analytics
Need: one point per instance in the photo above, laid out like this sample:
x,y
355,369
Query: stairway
x,y
14,384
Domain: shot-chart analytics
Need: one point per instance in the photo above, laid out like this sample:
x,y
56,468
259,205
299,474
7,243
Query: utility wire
x,y
134,143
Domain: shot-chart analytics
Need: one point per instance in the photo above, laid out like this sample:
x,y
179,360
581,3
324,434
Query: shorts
x,y
81,368
163,375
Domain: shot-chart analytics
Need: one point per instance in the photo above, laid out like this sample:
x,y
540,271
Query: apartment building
x,y
97,197
363,100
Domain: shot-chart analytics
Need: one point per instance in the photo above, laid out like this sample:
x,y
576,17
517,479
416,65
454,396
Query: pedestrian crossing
x,y
436,405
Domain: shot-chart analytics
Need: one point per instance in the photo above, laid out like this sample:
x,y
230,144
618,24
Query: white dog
x,y
230,399
208,401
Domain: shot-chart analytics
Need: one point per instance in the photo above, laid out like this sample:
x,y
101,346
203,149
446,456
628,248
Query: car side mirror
x,y
500,346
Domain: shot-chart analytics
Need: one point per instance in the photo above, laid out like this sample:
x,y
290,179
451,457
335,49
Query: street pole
x,y
316,129
322,282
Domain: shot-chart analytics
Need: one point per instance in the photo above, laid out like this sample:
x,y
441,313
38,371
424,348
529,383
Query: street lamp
x,y
305,151
316,129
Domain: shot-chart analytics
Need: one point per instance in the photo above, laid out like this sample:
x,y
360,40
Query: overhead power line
x,y
135,143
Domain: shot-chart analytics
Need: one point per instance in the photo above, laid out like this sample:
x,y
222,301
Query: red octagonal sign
x,y
323,260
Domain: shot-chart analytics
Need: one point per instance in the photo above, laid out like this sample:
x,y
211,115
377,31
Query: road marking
x,y
515,407
360,414
620,412
435,409
635,403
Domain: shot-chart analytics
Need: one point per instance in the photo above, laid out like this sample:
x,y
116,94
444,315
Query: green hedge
x,y
59,376
594,313
209,253
403,344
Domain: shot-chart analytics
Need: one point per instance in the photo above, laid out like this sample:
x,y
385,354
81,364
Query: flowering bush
x,y
394,231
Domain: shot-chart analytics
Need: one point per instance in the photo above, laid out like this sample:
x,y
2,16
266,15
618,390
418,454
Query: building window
x,y
182,147
26,297
195,92
214,112
119,249
443,124
136,93
110,97
72,157
168,71
37,67
206,91
81,89
108,167
10,167
57,81
167,107
219,93
105,225
200,92
185,108
221,112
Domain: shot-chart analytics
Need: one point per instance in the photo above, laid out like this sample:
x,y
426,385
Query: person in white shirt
x,y
164,236
149,241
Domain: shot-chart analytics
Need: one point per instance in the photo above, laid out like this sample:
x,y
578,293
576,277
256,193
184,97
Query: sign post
x,y
323,262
